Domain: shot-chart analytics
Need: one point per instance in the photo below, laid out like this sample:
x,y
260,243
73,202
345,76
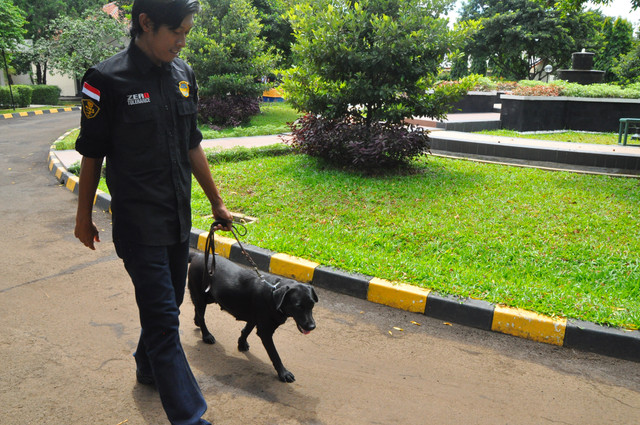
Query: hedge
x,y
21,96
45,95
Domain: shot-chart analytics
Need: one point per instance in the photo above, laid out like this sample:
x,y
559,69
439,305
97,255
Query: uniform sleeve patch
x,y
89,108
91,91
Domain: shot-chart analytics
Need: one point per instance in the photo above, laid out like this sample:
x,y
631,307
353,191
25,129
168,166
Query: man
x,y
139,111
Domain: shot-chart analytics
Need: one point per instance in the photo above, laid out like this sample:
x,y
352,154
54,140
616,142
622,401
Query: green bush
x,y
21,96
45,95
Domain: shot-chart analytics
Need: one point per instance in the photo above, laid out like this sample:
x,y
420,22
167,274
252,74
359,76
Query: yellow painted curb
x,y
72,181
397,295
23,114
7,116
58,173
53,111
38,113
292,267
222,244
529,325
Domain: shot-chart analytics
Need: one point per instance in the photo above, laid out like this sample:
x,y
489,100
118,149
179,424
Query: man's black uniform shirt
x,y
143,118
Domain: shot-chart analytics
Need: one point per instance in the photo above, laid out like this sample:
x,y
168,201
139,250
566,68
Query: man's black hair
x,y
161,12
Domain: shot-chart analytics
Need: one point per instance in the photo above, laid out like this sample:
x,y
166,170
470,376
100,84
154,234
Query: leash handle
x,y
209,248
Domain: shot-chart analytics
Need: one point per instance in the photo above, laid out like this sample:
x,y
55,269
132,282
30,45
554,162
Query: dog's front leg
x,y
243,345
267,341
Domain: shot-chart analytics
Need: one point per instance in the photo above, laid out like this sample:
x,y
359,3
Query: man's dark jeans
x,y
159,275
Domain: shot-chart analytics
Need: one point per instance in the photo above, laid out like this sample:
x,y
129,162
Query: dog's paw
x,y
209,339
243,346
286,376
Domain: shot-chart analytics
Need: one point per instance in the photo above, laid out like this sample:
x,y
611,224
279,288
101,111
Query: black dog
x,y
244,295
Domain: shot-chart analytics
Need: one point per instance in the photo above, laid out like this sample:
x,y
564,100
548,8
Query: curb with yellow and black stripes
x,y
563,332
38,112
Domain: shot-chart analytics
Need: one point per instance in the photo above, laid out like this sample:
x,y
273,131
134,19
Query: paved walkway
x,y
591,158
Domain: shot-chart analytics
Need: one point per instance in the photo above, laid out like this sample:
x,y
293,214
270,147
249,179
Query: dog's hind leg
x,y
243,345
199,321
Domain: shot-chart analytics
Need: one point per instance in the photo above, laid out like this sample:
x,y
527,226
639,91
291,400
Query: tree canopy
x,y
226,51
80,43
513,36
374,60
12,24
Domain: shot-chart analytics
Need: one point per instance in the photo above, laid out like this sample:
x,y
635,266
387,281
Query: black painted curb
x,y
39,112
608,160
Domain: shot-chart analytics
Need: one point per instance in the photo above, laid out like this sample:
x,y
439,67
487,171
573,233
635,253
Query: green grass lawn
x,y
557,243
273,119
565,136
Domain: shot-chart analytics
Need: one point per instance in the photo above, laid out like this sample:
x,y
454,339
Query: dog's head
x,y
296,300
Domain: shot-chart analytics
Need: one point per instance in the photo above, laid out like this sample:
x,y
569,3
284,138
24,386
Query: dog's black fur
x,y
265,305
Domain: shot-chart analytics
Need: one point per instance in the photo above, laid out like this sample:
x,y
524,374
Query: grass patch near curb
x,y
272,119
564,136
557,243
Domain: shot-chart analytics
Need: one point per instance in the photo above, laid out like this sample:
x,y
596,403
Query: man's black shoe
x,y
145,379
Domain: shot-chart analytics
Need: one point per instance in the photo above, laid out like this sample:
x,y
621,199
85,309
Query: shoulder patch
x,y
184,88
89,108
91,92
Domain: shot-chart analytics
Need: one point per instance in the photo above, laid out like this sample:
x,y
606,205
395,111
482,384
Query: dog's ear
x,y
314,297
279,294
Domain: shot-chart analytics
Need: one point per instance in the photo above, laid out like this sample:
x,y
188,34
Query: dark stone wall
x,y
522,113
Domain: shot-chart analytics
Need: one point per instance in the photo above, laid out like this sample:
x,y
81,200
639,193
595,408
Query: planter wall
x,y
476,101
539,113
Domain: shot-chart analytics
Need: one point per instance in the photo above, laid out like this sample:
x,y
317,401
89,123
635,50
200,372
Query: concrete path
x,y
70,325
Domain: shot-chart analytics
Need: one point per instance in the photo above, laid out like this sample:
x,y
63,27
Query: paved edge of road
x,y
38,112
585,336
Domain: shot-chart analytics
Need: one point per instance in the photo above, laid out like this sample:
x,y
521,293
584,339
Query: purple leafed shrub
x,y
348,142
227,111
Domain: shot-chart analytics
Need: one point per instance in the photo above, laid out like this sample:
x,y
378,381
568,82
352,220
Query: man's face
x,y
165,43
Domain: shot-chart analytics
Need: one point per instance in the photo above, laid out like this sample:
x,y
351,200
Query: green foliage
x,y
514,36
12,22
276,29
21,96
40,16
226,51
83,42
627,70
45,95
617,42
375,60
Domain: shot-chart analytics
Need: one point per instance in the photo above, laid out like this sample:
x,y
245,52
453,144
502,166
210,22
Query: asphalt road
x,y
69,326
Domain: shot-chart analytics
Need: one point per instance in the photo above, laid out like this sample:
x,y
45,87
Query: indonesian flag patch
x,y
91,91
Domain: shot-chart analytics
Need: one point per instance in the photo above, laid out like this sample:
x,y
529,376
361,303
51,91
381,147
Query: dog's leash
x,y
209,247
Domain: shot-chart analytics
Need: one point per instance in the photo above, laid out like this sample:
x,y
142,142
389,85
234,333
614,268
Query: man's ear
x,y
145,22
